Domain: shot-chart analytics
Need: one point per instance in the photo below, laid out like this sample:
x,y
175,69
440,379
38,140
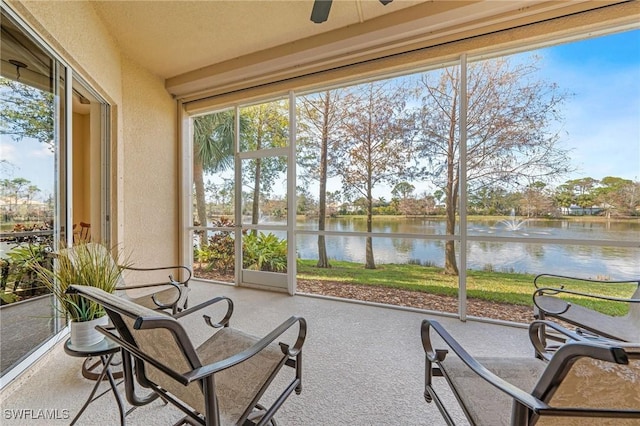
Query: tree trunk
x,y
450,263
323,259
370,263
201,207
255,210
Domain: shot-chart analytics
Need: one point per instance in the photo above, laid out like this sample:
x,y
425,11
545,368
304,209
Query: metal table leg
x,y
116,394
106,362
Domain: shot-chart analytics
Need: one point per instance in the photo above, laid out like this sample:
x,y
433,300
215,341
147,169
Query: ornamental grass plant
x,y
89,263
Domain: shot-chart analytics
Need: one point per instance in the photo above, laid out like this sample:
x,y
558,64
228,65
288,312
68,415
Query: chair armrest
x,y
438,356
137,286
550,291
161,268
537,331
224,322
585,280
209,369
160,305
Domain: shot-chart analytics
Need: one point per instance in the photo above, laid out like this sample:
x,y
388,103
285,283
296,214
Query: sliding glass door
x,y
54,174
33,201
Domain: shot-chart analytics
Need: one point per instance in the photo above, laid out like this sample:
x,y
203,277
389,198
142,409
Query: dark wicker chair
x,y
220,382
549,300
584,382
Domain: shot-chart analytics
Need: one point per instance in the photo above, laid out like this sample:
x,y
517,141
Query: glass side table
x,y
105,350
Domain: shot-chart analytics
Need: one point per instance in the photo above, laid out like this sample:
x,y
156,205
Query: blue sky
x,y
28,159
602,120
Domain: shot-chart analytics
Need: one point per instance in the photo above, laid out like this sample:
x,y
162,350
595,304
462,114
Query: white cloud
x,y
8,152
42,151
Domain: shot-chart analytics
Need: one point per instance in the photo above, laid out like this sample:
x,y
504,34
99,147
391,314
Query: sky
x,y
28,159
602,118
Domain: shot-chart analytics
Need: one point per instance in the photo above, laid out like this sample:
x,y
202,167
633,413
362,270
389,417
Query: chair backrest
x,y
161,337
633,317
591,378
634,309
168,295
549,302
83,233
164,354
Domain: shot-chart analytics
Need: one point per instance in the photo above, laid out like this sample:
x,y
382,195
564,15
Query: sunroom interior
x,y
230,136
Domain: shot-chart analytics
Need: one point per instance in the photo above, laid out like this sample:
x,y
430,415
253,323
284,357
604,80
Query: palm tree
x,y
213,152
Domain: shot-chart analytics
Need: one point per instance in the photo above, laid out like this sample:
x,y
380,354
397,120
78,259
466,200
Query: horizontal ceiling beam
x,y
426,24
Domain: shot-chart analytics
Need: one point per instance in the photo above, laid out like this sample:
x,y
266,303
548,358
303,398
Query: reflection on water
x,y
611,262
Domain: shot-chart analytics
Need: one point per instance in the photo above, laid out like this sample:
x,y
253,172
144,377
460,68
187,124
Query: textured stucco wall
x,y
145,209
75,32
150,170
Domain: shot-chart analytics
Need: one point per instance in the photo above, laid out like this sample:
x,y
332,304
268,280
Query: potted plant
x,y
90,264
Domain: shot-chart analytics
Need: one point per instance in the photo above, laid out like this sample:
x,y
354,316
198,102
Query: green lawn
x,y
492,286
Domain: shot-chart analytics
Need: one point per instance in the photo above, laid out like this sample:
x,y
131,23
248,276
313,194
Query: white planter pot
x,y
84,333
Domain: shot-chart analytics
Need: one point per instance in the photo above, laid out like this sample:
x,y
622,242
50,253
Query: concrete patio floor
x,y
363,365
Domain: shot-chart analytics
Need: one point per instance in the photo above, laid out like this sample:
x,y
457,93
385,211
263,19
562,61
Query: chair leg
x,y
257,415
116,394
186,420
130,383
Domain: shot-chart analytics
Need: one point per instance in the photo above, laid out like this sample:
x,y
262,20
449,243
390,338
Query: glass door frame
x,y
63,79
268,280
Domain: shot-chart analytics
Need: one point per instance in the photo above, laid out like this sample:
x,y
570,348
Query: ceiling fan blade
x,y
320,12
321,8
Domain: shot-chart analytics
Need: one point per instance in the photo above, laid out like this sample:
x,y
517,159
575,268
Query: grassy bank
x,y
491,286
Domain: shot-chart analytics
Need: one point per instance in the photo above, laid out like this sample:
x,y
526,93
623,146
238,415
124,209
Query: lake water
x,y
582,260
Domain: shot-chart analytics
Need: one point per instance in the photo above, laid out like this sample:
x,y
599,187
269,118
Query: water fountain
x,y
513,224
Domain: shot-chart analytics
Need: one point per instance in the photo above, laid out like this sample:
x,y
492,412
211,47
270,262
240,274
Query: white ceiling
x,y
174,37
200,45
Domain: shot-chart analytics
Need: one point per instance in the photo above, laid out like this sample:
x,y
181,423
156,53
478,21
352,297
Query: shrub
x,y
261,252
16,272
264,252
219,253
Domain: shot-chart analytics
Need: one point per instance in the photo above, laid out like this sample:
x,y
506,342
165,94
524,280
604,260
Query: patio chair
x,y
83,233
220,382
170,295
585,382
548,303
